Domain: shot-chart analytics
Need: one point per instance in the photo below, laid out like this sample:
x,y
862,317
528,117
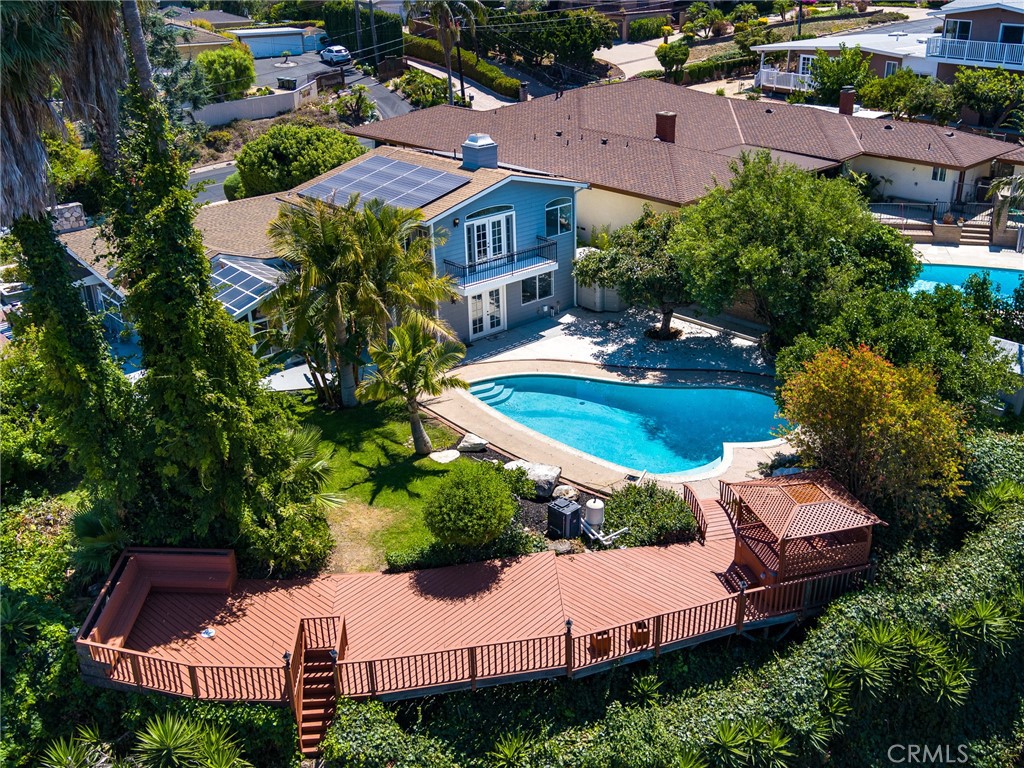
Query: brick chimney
x,y
479,151
847,97
665,126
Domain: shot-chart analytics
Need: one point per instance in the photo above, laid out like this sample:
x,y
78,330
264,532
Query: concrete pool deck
x,y
980,256
610,347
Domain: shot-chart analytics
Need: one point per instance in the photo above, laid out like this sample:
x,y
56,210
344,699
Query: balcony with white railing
x,y
776,79
507,267
978,52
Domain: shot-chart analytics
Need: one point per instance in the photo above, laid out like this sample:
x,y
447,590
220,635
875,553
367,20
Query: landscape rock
x,y
544,476
445,457
565,492
560,547
471,444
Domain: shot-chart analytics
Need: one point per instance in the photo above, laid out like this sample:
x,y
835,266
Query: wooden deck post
x,y
194,679
657,633
741,606
134,661
568,648
371,678
472,667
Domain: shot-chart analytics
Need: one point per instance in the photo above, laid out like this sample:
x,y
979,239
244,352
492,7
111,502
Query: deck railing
x,y
698,514
979,51
482,270
777,78
552,656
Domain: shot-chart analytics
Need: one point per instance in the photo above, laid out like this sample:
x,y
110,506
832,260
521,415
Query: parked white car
x,y
335,54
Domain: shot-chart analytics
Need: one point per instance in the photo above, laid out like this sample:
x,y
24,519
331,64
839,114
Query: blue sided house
x,y
506,236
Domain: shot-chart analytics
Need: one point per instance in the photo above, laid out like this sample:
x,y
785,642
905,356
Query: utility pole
x,y
359,30
458,55
373,37
799,17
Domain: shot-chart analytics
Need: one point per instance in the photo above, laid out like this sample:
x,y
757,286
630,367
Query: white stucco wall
x,y
909,181
598,208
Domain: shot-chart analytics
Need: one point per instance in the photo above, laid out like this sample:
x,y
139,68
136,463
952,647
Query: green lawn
x,y
382,481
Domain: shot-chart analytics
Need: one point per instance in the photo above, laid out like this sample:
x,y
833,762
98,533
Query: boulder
x,y
445,457
565,492
544,476
560,547
471,444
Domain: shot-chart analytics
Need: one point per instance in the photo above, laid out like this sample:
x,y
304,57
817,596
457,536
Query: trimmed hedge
x,y
703,71
475,68
647,29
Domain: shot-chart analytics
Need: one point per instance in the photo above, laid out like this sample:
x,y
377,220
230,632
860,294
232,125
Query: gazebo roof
x,y
803,504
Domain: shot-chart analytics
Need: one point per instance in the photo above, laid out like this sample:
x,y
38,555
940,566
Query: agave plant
x,y
85,750
953,682
729,745
990,624
987,505
688,759
219,748
169,741
18,620
510,750
646,690
770,745
866,666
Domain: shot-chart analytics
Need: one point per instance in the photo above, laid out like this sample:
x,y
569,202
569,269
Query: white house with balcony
x,y
978,33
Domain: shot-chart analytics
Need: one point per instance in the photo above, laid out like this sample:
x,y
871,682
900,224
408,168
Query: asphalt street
x,y
214,192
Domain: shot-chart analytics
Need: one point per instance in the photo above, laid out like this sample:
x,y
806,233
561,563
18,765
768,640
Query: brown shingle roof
x,y
709,130
90,247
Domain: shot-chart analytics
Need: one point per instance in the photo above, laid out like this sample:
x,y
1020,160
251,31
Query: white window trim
x,y
938,173
958,23
536,280
502,298
472,224
1003,26
805,59
891,68
554,205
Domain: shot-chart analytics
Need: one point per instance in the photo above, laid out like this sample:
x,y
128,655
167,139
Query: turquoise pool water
x,y
1003,280
661,429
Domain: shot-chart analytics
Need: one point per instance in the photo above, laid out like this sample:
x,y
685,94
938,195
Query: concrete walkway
x,y
971,256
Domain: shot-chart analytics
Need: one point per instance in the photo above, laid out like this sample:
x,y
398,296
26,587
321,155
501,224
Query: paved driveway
x,y
268,70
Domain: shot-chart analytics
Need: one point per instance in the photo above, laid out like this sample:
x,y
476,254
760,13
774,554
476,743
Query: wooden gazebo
x,y
797,525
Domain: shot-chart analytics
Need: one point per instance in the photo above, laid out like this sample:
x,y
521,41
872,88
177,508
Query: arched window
x,y
558,216
490,233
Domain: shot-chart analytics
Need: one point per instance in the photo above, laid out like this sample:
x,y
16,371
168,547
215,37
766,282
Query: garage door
x,y
275,45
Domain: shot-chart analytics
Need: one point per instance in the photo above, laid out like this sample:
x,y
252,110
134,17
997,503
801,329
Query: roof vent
x,y
949,134
604,141
479,151
887,128
769,111
558,133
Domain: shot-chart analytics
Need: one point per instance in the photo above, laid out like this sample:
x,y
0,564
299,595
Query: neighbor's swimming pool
x,y
661,429
1003,280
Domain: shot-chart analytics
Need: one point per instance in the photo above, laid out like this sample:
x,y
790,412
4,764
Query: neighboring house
x,y
978,33
191,41
1013,351
271,42
217,19
507,238
889,52
645,141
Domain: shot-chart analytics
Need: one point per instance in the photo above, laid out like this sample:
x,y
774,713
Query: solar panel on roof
x,y
241,284
393,181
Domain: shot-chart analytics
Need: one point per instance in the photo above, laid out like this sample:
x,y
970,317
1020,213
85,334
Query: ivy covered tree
x,y
882,430
790,242
831,74
287,155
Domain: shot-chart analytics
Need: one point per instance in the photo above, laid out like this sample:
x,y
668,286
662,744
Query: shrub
x,y
75,173
514,541
471,505
647,29
229,71
475,68
218,140
994,456
887,16
288,155
423,90
367,735
651,74
233,189
654,515
293,541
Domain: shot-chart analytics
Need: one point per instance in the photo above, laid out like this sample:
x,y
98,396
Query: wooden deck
x,y
398,635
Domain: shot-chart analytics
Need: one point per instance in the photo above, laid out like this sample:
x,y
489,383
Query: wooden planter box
x,y
601,644
640,634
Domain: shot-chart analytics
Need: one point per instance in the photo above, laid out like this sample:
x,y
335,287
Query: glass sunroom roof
x,y
241,284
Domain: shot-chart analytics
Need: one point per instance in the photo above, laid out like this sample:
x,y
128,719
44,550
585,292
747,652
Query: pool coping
x,y
469,414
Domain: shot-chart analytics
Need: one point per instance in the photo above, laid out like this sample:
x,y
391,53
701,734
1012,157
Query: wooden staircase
x,y
319,699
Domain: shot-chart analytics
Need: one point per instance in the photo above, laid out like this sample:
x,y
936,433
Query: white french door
x,y
486,313
490,238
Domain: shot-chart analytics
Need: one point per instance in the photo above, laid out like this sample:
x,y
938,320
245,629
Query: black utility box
x,y
563,519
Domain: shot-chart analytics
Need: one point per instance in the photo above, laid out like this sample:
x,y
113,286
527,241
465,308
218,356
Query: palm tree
x,y
414,363
448,17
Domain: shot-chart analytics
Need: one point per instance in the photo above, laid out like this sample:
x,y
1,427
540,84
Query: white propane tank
x,y
595,514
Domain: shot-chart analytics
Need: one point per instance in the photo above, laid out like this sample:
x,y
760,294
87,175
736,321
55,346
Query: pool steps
x,y
491,393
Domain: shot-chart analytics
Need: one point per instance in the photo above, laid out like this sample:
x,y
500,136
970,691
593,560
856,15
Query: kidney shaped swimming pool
x,y
659,428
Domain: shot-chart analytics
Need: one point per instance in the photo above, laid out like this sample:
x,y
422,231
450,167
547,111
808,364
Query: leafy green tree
x,y
882,430
229,72
940,331
471,505
672,56
638,265
287,155
744,12
411,364
785,240
758,34
830,74
180,80
993,93
75,173
574,36
449,18
357,106
907,95
782,7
